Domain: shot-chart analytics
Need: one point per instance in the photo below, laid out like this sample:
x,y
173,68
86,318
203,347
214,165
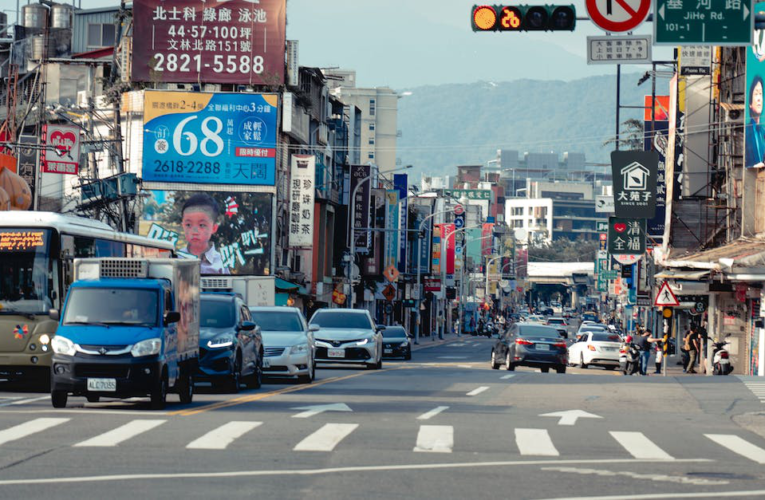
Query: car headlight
x,y
405,344
44,339
147,347
299,349
220,342
62,345
362,342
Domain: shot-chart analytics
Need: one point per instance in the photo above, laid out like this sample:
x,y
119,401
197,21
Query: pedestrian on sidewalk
x,y
644,344
692,346
659,357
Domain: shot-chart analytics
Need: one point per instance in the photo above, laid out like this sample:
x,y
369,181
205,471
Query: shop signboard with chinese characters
x,y
626,236
422,261
634,174
302,190
695,60
198,41
601,266
401,183
361,203
194,137
27,160
633,49
470,194
62,149
657,138
438,250
391,228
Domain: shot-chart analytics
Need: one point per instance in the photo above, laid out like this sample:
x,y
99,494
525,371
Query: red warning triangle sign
x,y
665,297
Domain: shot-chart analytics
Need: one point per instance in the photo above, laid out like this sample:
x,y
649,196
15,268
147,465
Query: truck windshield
x,y
25,278
111,306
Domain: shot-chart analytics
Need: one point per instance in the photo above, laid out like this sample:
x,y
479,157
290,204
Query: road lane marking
x,y
535,442
435,439
28,428
220,438
478,391
505,377
326,438
464,366
739,446
698,481
432,413
197,475
452,357
121,434
640,446
25,401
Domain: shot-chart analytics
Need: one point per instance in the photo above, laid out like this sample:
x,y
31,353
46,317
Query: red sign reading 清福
x,y
227,41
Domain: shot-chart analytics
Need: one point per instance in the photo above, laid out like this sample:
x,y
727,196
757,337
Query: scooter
x,y
721,359
629,359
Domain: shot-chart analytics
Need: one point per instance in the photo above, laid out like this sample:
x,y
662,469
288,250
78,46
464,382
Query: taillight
x,y
724,355
591,347
523,342
560,344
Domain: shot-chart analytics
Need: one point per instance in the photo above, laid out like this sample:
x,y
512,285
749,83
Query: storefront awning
x,y
286,286
742,253
673,274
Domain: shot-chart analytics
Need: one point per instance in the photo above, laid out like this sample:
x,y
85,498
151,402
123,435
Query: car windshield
x,y
605,337
341,320
216,314
111,306
394,331
555,321
25,273
277,321
537,331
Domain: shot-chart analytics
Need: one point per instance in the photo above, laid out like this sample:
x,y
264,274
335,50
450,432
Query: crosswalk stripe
x,y
432,413
740,446
478,391
505,377
640,446
220,438
435,439
535,442
122,433
28,428
326,438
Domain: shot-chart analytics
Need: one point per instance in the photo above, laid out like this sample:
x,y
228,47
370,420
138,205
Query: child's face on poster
x,y
198,228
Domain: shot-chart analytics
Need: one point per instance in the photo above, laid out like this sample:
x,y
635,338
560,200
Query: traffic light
x,y
523,17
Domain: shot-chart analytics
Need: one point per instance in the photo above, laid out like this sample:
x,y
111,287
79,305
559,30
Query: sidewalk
x,y
426,342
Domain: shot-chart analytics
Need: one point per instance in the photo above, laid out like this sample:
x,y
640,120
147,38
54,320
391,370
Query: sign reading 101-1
x,y
195,137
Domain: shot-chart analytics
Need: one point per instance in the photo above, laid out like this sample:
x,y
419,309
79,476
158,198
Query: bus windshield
x,y
25,279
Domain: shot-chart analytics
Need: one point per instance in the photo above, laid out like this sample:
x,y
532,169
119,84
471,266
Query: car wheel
x,y
581,361
255,380
509,366
546,369
378,366
309,377
186,387
58,399
611,368
408,354
93,399
494,364
159,394
561,369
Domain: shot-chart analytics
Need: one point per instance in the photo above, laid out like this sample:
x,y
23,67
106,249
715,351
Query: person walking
x,y
644,344
692,346
659,358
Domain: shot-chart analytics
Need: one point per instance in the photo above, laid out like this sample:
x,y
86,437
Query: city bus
x,y
37,250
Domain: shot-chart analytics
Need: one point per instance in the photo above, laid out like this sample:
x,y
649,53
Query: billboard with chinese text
x,y
196,41
360,185
302,190
195,137
229,232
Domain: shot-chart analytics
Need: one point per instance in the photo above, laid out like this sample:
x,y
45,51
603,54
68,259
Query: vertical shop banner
x,y
391,229
448,237
27,161
626,236
487,243
198,41
62,149
754,137
657,139
401,183
422,261
193,137
634,175
474,245
302,190
437,255
360,184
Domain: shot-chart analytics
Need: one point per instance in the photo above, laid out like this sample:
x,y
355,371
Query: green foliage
x,y
564,250
632,135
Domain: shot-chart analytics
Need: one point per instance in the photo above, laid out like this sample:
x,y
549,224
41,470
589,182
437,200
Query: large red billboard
x,y
227,41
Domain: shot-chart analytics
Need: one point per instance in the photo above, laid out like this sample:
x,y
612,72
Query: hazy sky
x,y
409,43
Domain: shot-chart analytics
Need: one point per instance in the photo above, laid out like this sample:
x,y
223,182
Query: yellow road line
x,y
257,397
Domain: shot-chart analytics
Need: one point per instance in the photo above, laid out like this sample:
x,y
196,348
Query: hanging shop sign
x,y
302,190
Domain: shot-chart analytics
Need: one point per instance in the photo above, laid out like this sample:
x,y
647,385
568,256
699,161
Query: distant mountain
x,y
461,124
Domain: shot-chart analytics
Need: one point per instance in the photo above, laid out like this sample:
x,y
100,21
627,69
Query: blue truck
x,y
128,328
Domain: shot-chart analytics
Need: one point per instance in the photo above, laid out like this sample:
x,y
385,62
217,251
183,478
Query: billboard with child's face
x,y
229,232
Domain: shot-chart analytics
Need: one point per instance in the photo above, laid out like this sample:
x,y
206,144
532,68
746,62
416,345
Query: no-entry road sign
x,y
618,16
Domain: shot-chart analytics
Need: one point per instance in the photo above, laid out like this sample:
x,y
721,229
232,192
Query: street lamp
x,y
353,218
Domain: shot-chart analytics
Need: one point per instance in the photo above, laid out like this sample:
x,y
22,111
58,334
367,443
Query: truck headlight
x,y
220,342
147,347
299,349
62,345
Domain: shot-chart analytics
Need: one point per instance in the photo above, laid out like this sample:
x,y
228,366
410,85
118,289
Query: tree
x,y
632,136
564,250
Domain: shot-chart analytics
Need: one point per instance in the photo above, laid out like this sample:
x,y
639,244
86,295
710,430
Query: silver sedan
x,y
288,345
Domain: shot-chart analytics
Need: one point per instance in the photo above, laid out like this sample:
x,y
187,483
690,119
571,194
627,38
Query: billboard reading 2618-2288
x,y
194,137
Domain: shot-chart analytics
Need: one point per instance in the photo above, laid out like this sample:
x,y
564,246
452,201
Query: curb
x,y
426,344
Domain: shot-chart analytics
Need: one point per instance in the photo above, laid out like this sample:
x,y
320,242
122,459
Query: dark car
x,y
397,343
230,344
526,344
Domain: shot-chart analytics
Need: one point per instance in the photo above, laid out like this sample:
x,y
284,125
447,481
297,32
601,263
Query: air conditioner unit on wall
x,y
733,114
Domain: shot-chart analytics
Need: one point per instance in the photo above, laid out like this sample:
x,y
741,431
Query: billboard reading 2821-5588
x,y
195,137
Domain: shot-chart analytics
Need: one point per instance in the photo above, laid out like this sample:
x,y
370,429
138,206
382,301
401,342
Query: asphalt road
x,y
443,425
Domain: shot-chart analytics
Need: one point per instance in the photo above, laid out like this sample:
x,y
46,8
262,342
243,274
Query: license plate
x,y
102,384
266,363
609,349
388,351
336,353
543,347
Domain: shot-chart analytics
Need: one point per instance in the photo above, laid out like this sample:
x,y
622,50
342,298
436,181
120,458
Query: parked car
x,y
527,344
288,345
559,324
347,336
599,348
397,342
230,344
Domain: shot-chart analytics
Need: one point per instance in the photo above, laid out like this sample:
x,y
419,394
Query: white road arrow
x,y
569,417
316,409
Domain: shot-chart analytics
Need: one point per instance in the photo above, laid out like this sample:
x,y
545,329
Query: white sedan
x,y
596,348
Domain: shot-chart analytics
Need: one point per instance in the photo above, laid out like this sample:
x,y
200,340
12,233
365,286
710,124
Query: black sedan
x,y
526,344
397,343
